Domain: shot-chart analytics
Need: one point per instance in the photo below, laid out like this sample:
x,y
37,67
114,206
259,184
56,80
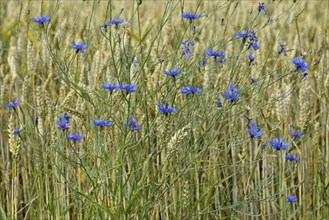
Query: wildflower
x,y
233,94
202,62
105,25
163,108
283,49
41,20
291,199
254,131
174,73
291,158
133,125
129,89
301,66
110,87
153,152
253,45
13,105
295,134
79,47
278,144
215,54
190,90
261,8
190,17
17,132
75,138
101,124
251,58
253,80
244,35
252,36
63,123
116,22
186,48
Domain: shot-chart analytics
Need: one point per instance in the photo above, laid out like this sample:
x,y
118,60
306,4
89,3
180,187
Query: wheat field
x,y
164,109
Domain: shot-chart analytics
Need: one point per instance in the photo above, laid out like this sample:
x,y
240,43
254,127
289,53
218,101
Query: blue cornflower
x,y
244,35
252,36
105,25
233,94
214,54
75,138
253,45
163,108
283,49
253,80
133,125
63,123
301,66
79,47
174,73
254,131
186,48
129,89
110,87
117,22
13,105
291,158
202,62
295,134
251,58
190,90
101,124
17,132
261,8
291,199
278,144
41,20
190,17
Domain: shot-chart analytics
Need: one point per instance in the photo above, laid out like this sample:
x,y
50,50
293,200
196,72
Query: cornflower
x,y
174,73
278,144
254,131
41,20
190,90
63,122
75,138
79,47
261,8
13,105
301,66
101,124
233,94
133,125
166,110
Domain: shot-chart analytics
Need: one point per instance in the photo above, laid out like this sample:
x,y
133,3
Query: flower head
x,y
283,49
166,110
301,66
233,94
129,89
278,144
261,8
79,47
75,138
101,124
117,22
215,54
174,73
63,122
253,45
186,48
291,199
133,125
291,158
13,105
254,131
251,58
41,20
17,132
295,134
190,17
110,87
244,35
190,90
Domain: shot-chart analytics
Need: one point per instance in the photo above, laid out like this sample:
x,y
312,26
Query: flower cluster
x,y
166,110
133,124
220,57
190,90
301,66
112,22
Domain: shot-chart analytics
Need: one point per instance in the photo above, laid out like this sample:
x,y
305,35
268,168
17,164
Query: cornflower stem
x,y
282,184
